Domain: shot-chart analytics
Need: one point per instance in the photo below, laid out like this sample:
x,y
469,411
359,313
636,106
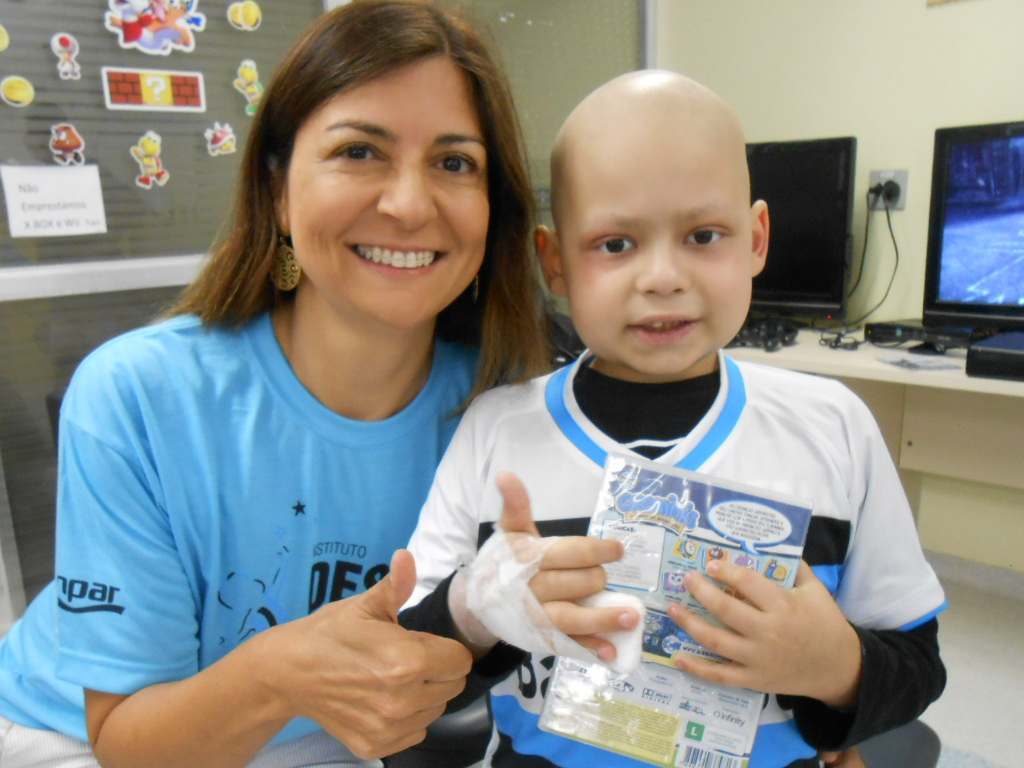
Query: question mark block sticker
x,y
154,90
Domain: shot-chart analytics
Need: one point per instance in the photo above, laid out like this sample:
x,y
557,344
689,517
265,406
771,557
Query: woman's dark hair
x,y
351,46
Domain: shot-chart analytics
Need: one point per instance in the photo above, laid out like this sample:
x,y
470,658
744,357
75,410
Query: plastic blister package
x,y
673,522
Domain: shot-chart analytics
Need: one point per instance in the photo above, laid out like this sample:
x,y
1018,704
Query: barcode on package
x,y
702,758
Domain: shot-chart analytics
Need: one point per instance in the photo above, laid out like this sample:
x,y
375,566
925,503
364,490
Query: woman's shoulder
x,y
174,341
151,361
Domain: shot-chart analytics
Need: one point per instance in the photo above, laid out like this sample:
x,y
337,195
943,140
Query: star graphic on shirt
x,y
300,508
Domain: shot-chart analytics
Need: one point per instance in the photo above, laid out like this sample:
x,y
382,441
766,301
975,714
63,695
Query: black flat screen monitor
x,y
808,186
974,268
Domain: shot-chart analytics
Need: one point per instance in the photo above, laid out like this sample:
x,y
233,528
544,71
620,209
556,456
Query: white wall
x,y
886,71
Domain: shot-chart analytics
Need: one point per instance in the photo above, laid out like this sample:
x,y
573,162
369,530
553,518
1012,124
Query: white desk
x,y
866,363
957,440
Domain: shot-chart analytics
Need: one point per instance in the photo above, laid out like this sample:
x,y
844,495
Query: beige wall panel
x,y
965,435
982,523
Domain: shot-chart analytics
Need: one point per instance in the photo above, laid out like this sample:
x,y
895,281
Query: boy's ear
x,y
546,241
760,230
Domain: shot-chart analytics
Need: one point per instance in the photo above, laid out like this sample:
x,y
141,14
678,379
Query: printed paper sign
x,y
53,201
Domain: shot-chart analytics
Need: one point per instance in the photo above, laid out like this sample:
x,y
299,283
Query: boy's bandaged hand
x,y
547,595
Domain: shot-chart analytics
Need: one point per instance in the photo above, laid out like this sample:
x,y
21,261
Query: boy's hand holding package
x,y
790,641
545,595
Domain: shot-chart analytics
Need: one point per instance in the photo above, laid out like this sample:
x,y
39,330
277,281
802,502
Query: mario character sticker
x,y
220,140
154,90
151,167
67,144
248,84
156,27
245,16
65,48
17,91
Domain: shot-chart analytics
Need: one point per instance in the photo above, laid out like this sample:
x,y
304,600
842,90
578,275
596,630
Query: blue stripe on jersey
x,y
926,618
778,745
556,394
830,576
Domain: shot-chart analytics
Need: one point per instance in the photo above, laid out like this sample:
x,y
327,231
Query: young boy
x,y
655,246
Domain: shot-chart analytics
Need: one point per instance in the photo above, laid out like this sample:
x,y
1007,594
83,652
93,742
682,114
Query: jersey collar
x,y
558,392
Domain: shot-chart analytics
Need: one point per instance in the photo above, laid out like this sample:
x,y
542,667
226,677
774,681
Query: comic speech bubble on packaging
x,y
750,523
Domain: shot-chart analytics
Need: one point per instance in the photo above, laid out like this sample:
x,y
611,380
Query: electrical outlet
x,y
879,202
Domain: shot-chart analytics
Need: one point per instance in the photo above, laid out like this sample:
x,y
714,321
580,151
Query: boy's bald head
x,y
626,108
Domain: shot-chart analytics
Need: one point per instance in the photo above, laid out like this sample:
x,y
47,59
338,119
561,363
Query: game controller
x,y
769,334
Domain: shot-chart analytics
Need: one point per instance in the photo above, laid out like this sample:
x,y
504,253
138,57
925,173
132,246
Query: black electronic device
x,y
974,269
935,339
808,185
999,357
771,334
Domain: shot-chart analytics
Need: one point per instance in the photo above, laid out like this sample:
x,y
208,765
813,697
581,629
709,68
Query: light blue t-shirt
x,y
205,495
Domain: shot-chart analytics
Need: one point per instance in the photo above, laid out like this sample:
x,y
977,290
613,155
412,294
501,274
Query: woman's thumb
x,y
387,596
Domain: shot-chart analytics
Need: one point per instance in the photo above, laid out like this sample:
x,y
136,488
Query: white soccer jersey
x,y
770,428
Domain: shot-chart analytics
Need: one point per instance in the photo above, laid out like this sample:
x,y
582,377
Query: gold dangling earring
x,y
476,287
285,271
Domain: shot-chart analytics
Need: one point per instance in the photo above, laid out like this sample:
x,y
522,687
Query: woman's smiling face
x,y
386,199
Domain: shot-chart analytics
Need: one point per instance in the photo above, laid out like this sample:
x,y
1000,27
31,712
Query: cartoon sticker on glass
x,y
17,91
151,166
67,144
65,48
220,140
248,84
155,27
245,16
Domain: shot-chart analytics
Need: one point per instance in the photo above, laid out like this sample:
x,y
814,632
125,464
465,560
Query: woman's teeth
x,y
401,259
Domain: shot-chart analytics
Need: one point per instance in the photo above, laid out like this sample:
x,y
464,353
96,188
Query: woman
x,y
231,475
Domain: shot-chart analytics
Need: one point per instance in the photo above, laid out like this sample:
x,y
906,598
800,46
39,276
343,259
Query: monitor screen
x,y
974,267
808,186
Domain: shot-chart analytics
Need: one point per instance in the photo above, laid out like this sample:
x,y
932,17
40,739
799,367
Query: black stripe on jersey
x,y
828,541
571,526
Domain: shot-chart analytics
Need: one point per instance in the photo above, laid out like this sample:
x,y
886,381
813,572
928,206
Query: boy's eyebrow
x,y
447,139
616,220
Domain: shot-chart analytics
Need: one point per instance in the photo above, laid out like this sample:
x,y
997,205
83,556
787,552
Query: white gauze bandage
x,y
498,594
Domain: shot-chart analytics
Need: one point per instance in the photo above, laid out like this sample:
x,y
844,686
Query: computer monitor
x,y
974,267
808,185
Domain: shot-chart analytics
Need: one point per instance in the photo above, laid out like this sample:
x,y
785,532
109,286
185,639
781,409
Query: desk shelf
x,y
955,438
